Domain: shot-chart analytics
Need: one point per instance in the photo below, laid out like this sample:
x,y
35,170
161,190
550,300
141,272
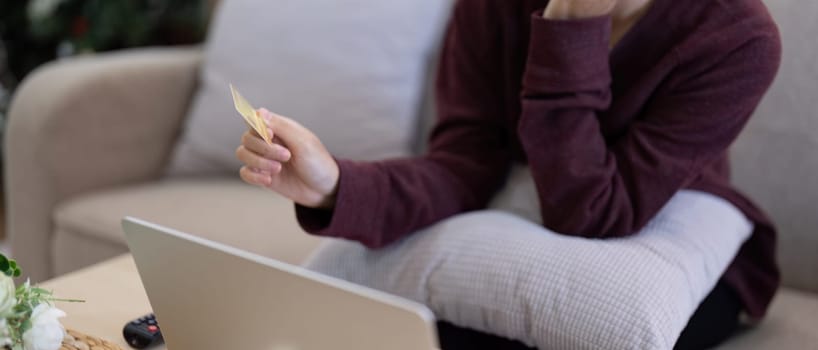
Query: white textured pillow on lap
x,y
352,71
498,273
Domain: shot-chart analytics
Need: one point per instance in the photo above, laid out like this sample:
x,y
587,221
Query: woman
x,y
614,104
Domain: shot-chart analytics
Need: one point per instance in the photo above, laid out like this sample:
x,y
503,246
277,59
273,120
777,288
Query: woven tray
x,y
77,341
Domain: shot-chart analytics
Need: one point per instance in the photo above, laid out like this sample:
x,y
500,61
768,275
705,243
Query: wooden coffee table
x,y
113,293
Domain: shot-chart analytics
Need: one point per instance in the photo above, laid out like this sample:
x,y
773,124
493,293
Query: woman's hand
x,y
297,165
575,9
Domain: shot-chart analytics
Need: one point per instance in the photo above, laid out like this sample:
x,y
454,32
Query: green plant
x,y
27,313
9,267
101,25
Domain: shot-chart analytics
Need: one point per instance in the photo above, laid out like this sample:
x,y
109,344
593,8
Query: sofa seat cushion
x,y
790,324
222,210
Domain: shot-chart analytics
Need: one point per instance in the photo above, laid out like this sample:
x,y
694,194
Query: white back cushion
x,y
352,71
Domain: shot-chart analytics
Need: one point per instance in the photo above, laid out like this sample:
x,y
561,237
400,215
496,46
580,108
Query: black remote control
x,y
143,332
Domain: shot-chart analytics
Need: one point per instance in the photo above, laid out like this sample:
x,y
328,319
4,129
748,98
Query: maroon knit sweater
x,y
609,134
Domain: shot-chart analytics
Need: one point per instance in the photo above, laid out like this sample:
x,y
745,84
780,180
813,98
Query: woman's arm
x,y
376,203
593,188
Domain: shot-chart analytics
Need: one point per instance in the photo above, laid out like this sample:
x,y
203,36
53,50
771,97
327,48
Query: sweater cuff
x,y
567,55
355,193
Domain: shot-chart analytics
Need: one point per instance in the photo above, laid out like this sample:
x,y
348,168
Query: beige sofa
x,y
88,139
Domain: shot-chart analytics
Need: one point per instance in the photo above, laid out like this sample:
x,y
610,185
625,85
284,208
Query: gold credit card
x,y
250,115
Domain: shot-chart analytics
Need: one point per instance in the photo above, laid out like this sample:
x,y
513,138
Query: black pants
x,y
712,323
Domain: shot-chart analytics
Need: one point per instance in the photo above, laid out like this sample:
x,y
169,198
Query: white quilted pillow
x,y
498,273
352,71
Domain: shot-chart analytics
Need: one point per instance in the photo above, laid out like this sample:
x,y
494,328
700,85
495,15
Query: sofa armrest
x,y
87,123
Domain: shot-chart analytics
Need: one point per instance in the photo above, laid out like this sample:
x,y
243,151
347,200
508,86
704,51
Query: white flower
x,y
5,335
46,331
7,299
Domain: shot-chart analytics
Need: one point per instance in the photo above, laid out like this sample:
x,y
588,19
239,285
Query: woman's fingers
x,y
255,177
257,162
292,134
254,143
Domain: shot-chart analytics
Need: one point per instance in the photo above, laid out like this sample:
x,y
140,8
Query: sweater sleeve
x,y
467,161
593,187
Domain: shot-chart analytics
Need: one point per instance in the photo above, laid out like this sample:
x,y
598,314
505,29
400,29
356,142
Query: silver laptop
x,y
210,296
